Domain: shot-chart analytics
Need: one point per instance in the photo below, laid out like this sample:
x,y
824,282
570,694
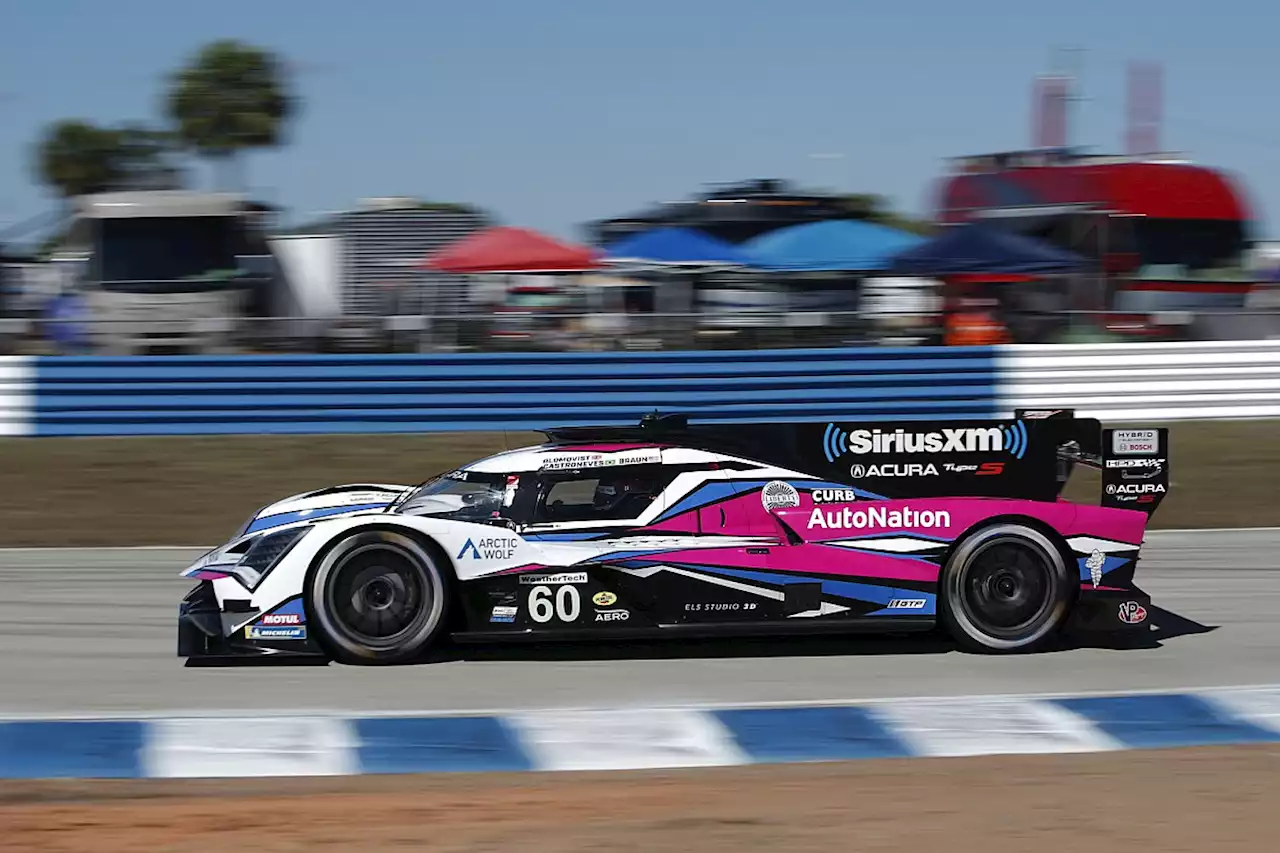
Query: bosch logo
x,y
1012,439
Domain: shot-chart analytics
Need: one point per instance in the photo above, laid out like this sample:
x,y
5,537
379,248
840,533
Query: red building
x,y
1167,233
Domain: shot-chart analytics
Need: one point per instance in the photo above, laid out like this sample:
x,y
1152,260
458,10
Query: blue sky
x,y
554,112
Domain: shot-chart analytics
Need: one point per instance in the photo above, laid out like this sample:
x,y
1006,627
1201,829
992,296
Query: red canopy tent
x,y
511,250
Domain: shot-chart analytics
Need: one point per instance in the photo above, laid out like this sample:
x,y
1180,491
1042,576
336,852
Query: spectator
x,y
66,322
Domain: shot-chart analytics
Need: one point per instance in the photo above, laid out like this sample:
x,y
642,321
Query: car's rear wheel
x,y
378,597
1005,588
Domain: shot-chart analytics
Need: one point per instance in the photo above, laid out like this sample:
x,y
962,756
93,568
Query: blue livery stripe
x,y
283,518
844,589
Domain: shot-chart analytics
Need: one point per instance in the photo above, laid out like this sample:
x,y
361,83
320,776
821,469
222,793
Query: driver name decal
x,y
574,461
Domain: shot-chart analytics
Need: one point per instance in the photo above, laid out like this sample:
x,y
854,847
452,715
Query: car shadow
x,y
1165,625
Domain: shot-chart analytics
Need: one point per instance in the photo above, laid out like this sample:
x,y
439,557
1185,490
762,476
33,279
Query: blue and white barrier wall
x,y
236,745
17,396
190,395
251,394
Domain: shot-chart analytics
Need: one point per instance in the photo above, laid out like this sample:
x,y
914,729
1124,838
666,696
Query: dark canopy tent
x,y
980,249
675,247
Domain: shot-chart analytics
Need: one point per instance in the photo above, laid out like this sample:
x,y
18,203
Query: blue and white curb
x,y
631,738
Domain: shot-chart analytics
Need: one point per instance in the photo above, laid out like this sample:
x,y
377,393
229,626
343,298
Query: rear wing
x,y
1134,461
1030,456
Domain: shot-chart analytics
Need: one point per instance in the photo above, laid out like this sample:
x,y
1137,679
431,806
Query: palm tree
x,y
231,97
76,157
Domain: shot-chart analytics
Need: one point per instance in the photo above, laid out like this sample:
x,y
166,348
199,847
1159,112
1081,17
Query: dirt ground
x,y
1219,799
195,491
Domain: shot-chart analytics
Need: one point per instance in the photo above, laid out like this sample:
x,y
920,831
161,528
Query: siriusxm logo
x,y
1010,439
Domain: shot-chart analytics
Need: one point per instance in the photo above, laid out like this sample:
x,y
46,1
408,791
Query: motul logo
x,y
281,619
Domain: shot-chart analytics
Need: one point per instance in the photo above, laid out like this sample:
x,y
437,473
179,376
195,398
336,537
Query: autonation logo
x,y
905,518
1010,439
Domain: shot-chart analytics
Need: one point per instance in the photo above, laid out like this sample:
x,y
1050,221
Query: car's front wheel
x,y
1005,588
378,597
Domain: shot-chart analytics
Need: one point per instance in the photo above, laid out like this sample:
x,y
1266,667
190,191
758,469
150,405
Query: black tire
x,y
1005,588
378,597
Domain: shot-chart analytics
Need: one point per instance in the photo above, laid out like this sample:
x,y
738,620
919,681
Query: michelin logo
x,y
1010,439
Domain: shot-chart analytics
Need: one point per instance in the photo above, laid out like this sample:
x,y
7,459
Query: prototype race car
x,y
669,528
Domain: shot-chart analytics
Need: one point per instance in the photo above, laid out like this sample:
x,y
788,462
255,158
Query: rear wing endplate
x,y
1134,461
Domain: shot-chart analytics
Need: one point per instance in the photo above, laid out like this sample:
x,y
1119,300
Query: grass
x,y
195,491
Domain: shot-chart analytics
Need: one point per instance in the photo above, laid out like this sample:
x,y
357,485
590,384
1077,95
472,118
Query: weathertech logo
x,y
1011,439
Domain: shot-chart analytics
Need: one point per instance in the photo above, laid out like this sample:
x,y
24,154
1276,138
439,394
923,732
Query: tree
x,y
875,208
76,157
232,97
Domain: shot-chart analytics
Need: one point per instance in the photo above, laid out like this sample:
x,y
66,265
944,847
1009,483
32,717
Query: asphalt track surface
x,y
92,632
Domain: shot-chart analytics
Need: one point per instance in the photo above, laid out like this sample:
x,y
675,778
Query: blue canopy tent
x,y
681,247
837,245
981,249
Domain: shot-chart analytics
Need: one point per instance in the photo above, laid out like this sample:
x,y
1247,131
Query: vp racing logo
x,y
1010,439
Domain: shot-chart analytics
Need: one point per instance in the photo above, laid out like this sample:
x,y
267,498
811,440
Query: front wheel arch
x,y
446,592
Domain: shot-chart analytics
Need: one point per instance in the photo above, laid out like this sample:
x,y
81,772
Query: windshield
x,y
462,495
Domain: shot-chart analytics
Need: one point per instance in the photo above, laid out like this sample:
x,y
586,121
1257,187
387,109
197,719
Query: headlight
x,y
267,550
248,561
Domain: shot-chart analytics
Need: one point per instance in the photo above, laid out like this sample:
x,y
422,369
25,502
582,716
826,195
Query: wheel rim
x,y
378,594
1006,587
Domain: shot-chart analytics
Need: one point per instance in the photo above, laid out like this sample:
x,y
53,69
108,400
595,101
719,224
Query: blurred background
x,y
838,177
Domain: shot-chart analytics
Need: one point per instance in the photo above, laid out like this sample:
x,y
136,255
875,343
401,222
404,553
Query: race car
x,y
669,528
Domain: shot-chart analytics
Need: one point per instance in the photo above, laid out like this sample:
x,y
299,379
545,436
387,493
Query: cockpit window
x,y
599,495
461,495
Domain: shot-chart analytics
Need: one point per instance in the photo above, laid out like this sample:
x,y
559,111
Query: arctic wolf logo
x,y
495,548
1011,439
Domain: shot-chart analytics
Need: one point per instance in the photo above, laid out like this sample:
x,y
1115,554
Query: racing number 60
x,y
567,604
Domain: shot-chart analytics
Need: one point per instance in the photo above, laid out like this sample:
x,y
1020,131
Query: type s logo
x,y
1011,439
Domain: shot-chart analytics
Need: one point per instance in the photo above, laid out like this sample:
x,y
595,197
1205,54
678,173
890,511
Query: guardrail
x,y
189,395
194,395
17,396
1145,382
